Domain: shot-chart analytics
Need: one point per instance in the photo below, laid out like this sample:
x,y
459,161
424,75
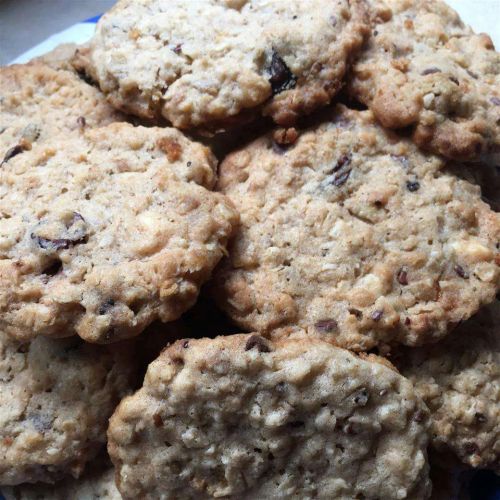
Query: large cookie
x,y
242,417
206,63
422,67
104,232
459,379
56,396
354,233
37,102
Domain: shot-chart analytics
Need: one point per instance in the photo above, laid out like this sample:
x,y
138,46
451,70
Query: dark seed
x,y
341,178
495,101
471,448
481,418
258,342
361,397
430,71
177,49
377,315
402,276
461,272
326,325
413,186
14,151
281,77
185,344
106,306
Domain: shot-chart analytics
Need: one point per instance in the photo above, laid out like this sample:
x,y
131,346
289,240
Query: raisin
x,y
57,244
461,272
341,162
430,71
177,49
258,342
326,325
281,77
14,151
413,186
377,315
341,178
402,276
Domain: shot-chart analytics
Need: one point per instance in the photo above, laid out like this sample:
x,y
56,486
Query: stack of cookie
x,y
289,210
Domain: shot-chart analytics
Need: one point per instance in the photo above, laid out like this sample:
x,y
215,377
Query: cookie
x,y
38,102
98,483
60,57
423,68
210,63
104,232
356,235
56,396
459,380
244,417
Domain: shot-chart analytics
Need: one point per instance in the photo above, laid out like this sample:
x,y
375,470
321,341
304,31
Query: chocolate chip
x,y
481,418
14,151
471,448
461,272
106,306
430,71
361,397
377,315
258,342
81,121
413,186
341,178
402,276
326,325
185,344
281,77
495,101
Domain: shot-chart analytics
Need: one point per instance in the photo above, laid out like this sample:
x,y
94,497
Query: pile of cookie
x,y
249,249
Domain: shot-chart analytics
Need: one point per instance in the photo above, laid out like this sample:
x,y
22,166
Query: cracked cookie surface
x,y
37,102
244,417
56,396
204,63
422,67
102,233
355,234
459,380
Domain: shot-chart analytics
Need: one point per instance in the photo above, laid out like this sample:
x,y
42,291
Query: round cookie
x,y
459,380
242,417
209,63
56,396
355,234
422,67
37,102
104,232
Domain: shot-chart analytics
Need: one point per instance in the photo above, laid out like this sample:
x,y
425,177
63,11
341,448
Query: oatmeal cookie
x,y
355,234
423,68
106,231
242,417
209,63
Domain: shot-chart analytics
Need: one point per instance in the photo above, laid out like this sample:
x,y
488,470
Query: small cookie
x,y
98,483
422,67
104,232
56,396
352,232
459,380
209,63
37,102
242,417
